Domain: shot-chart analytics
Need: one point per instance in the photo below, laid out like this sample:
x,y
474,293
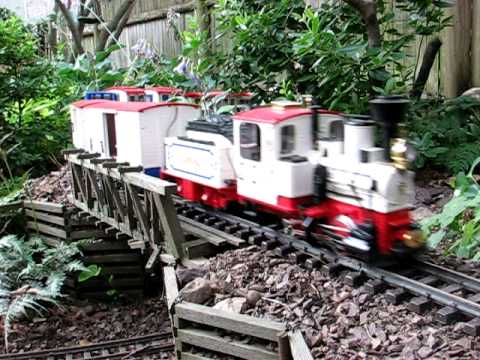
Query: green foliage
x,y
31,276
446,133
282,48
90,271
459,219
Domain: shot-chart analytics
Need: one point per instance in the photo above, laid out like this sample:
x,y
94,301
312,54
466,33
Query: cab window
x,y
250,141
287,136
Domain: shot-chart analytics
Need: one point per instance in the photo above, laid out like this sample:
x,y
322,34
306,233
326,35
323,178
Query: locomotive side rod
x,y
266,236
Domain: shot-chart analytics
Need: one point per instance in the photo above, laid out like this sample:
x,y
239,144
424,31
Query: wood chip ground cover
x,y
84,323
338,322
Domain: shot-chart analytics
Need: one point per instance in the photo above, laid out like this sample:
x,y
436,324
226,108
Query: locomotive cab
x,y
270,156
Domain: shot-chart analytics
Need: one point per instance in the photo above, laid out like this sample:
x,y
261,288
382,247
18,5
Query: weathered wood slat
x,y
214,236
170,283
37,215
242,324
298,346
174,237
210,341
46,229
115,283
11,206
85,234
141,180
190,356
112,258
44,206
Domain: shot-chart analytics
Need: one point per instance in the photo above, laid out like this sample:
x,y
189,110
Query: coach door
x,y
253,165
111,133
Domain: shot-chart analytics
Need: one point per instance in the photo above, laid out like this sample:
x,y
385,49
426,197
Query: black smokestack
x,y
388,112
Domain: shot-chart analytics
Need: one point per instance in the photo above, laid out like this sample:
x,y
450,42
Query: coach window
x,y
287,136
250,141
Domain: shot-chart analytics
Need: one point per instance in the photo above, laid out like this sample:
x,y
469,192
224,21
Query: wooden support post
x,y
173,233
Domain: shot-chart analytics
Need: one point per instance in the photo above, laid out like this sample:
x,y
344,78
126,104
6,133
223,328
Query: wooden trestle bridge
x,y
135,204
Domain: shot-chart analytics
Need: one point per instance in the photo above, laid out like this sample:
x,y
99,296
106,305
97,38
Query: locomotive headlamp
x,y
414,238
402,154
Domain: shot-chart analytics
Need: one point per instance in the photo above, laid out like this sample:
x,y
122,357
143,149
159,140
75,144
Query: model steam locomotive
x,y
318,170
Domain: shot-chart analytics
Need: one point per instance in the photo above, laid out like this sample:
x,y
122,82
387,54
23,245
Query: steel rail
x,y
466,281
150,341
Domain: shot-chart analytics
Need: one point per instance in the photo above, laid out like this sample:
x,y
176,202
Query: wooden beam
x,y
44,206
214,236
36,215
243,324
147,182
209,340
171,286
298,346
46,229
173,234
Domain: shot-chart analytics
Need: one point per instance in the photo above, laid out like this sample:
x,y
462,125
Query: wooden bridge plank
x,y
43,206
243,324
146,182
171,286
36,215
298,346
45,229
209,340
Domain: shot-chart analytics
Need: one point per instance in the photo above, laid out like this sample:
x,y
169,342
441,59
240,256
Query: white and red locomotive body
x,y
322,169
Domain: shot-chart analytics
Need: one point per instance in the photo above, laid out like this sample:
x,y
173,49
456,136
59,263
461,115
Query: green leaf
x,y
90,272
435,239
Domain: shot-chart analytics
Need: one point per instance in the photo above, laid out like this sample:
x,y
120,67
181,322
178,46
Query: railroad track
x,y
132,348
423,285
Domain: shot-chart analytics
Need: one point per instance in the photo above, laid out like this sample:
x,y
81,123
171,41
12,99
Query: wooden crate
x,y
56,222
202,332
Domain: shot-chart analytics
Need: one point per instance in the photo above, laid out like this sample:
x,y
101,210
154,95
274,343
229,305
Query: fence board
x,y
476,43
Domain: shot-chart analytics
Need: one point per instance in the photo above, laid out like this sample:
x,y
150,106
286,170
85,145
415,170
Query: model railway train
x,y
318,170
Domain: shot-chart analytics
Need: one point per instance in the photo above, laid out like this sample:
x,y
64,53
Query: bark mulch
x,y
338,322
84,323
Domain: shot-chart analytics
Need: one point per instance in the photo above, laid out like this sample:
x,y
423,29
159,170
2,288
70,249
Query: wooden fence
x,y
457,70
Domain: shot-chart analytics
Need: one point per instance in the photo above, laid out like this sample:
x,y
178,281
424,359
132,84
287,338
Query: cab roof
x,y
164,90
132,106
131,90
275,115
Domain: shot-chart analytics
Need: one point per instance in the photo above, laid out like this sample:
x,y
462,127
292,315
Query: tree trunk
x,y
204,21
116,25
368,12
431,52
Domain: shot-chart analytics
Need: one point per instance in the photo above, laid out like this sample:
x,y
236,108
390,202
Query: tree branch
x,y
368,11
429,56
73,26
123,11
121,25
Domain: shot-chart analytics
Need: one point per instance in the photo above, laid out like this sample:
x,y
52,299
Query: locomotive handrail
x,y
136,204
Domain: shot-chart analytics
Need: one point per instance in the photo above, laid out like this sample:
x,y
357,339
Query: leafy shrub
x,y
446,133
32,276
459,219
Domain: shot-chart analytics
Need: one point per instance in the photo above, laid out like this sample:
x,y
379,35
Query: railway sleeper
x,y
312,263
396,296
419,305
256,239
374,287
448,315
269,244
297,257
284,250
472,327
355,279
332,269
